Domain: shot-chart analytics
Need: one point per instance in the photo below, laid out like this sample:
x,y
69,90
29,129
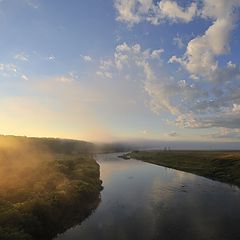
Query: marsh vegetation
x,y
218,165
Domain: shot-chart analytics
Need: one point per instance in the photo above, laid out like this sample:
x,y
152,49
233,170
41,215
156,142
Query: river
x,y
141,201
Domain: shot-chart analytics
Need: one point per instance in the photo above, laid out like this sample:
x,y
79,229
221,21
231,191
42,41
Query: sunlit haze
x,y
120,70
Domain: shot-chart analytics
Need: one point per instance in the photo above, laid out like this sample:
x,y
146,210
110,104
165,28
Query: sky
x,y
115,70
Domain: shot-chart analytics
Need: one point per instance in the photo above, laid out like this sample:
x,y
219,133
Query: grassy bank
x,y
217,165
44,192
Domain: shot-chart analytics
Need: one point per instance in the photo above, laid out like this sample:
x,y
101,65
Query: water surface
x,y
146,202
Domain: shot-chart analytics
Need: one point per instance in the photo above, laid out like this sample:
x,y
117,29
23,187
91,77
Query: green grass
x,y
42,192
218,165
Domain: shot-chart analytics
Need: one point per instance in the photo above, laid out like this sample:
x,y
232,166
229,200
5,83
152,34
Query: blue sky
x,y
120,69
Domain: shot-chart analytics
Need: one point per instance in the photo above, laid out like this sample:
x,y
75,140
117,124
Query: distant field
x,y
46,186
218,165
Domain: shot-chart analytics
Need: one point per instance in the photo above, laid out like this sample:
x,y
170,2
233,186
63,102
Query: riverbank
x,y
223,166
43,192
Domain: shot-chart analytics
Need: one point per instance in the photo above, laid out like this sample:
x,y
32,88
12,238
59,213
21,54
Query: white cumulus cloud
x,y
135,11
86,58
201,55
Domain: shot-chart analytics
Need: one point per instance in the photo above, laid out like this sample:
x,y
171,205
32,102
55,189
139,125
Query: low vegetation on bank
x,y
217,165
46,186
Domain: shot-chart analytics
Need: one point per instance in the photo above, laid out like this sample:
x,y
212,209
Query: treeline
x,y
68,146
54,145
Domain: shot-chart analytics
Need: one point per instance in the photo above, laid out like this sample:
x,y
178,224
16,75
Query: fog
x,y
26,168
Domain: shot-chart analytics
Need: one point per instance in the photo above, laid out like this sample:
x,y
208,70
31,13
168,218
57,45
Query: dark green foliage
x,y
219,165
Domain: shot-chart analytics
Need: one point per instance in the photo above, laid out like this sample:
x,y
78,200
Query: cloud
x,y
226,133
32,3
126,54
191,103
213,100
24,77
105,69
200,57
236,108
69,78
171,96
156,54
202,51
132,59
178,41
172,134
21,57
136,11
51,58
172,11
218,8
12,71
86,58
155,12
104,74
129,57
219,102
8,70
126,11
